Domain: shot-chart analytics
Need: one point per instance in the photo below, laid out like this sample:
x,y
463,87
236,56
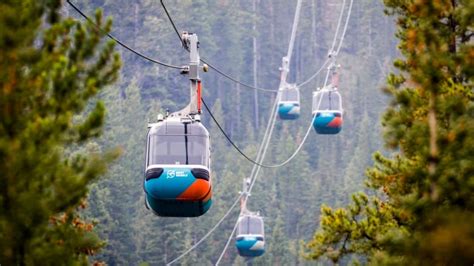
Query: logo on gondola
x,y
181,174
176,173
170,174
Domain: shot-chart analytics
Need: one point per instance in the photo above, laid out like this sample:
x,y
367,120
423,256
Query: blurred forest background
x,y
327,170
72,110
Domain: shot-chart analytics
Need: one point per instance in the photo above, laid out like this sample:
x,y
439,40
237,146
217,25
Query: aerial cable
x,y
326,79
232,142
234,79
270,126
208,233
293,30
314,75
258,168
172,22
266,139
255,170
254,176
333,53
205,61
270,121
227,243
345,27
229,210
339,22
120,42
306,135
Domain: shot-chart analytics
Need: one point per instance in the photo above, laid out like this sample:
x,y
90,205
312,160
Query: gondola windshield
x,y
290,95
176,149
178,144
250,226
327,101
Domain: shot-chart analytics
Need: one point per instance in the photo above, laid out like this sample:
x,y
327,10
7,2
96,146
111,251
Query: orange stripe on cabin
x,y
196,191
336,122
209,195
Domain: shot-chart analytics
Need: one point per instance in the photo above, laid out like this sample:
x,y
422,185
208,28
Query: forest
x,y
394,187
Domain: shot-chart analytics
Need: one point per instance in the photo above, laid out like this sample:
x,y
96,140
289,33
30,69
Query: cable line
x,y
205,61
256,168
269,130
208,233
172,23
265,140
293,30
305,137
336,52
345,27
292,39
227,243
120,42
245,155
338,26
314,75
230,140
234,79
333,45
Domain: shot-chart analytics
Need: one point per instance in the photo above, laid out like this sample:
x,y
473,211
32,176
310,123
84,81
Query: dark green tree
x,y
51,68
423,199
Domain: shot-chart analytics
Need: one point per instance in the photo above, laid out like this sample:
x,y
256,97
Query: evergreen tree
x,y
51,69
424,192
224,29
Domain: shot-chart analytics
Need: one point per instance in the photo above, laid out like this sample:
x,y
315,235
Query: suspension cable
x,y
293,30
120,42
208,233
232,142
256,168
172,22
293,155
227,243
314,75
339,22
234,79
333,45
270,126
302,142
254,179
265,140
345,27
334,54
205,61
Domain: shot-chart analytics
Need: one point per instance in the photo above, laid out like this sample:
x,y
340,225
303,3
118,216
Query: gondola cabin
x,y
177,174
289,103
327,111
250,241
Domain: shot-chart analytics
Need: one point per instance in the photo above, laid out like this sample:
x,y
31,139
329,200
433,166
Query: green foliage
x,y
288,198
51,69
351,230
424,197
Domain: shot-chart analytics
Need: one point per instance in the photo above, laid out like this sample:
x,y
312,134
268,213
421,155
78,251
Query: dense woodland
x,y
246,39
328,169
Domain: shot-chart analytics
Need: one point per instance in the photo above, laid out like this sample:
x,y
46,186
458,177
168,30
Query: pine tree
x,y
51,69
424,202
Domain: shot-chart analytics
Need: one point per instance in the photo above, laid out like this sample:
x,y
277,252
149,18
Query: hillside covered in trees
x,y
82,106
327,170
